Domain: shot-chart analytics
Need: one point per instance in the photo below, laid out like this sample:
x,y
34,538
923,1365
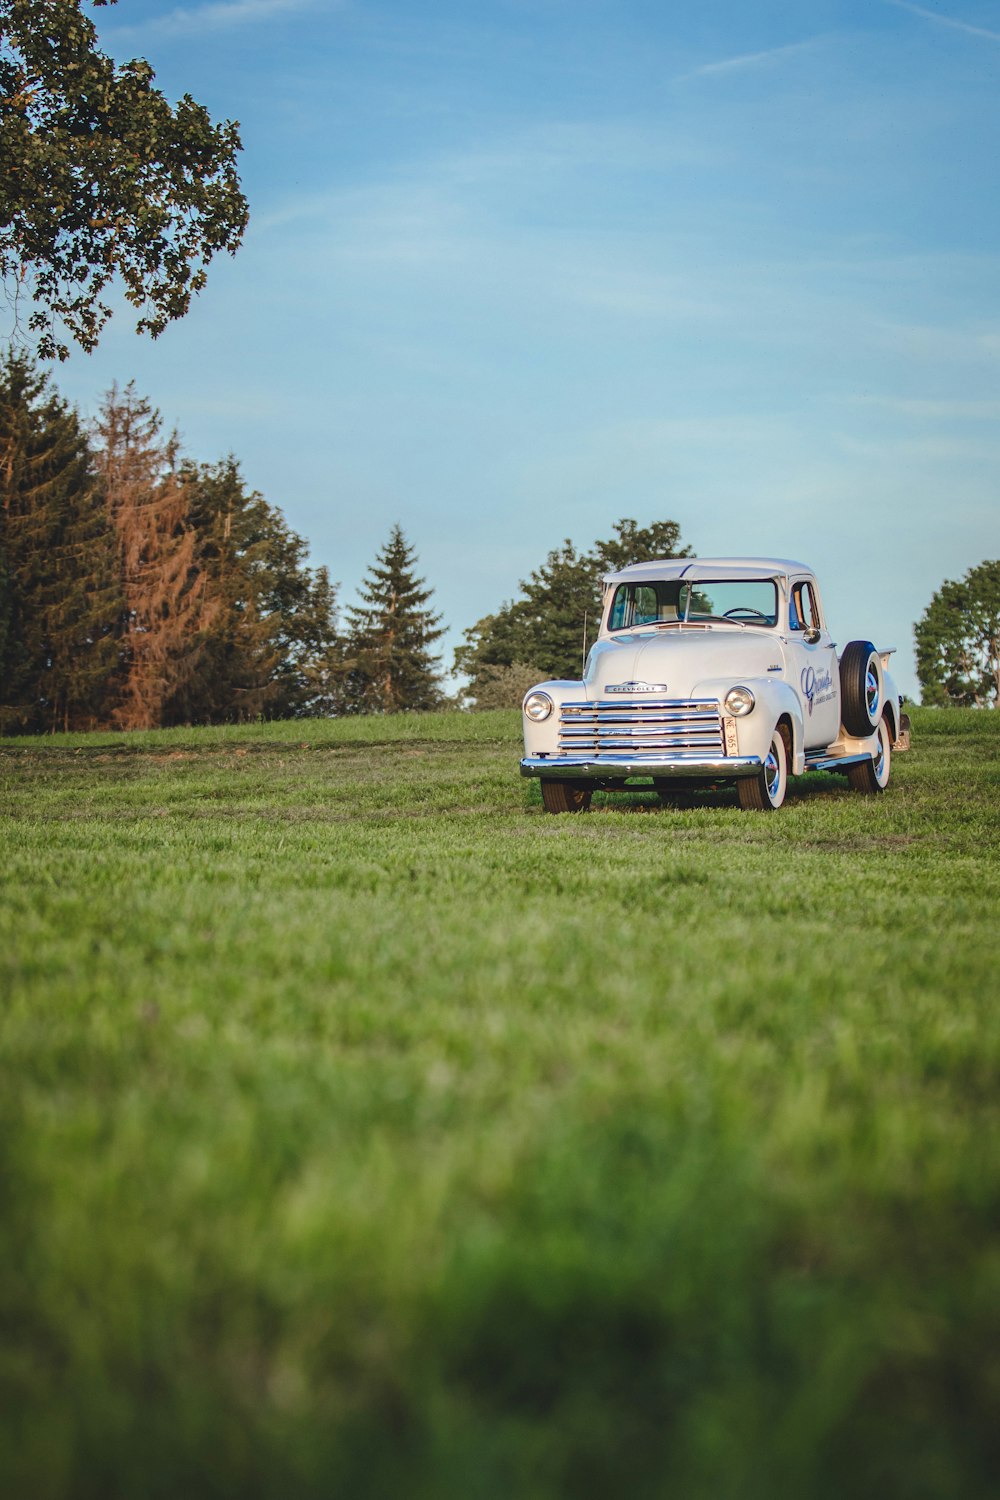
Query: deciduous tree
x,y
101,177
958,641
501,687
559,604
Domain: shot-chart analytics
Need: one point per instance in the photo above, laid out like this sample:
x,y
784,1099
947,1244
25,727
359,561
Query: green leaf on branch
x,y
102,180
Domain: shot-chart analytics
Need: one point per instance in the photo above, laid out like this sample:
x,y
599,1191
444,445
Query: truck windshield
x,y
749,601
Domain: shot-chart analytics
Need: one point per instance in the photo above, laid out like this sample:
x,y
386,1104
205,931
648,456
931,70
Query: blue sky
x,y
517,268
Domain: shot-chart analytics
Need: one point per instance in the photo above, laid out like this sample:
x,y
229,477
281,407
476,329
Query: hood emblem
x,y
636,687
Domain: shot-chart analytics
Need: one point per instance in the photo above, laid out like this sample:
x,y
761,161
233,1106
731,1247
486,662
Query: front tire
x,y
765,792
872,776
861,689
565,796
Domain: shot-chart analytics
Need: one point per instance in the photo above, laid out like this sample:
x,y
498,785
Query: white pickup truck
x,y
711,670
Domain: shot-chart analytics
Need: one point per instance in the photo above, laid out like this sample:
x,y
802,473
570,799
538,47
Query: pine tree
x,y
166,612
559,608
62,595
390,667
312,675
270,644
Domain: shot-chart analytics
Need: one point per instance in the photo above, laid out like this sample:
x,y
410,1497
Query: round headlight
x,y
739,701
537,706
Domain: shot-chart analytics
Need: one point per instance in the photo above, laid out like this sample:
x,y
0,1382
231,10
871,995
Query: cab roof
x,y
702,569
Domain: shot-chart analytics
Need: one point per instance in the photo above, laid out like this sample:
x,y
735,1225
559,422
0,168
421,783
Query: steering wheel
x,y
745,609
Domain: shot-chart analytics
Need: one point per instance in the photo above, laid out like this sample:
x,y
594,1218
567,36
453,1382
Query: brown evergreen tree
x,y
166,609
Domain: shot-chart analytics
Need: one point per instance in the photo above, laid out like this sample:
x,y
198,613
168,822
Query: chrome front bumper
x,y
620,767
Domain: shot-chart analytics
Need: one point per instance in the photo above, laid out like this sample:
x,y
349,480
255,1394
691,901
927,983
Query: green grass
x,y
366,1132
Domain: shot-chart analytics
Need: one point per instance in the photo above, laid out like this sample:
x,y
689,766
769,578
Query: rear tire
x,y
872,776
565,796
861,689
765,792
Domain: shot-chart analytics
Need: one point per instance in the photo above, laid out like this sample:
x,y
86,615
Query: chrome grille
x,y
655,727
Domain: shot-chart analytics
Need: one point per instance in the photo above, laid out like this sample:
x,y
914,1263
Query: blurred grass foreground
x,y
365,1131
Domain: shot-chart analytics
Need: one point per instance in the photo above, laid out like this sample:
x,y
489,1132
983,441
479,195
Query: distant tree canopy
x,y
541,633
138,590
958,641
101,177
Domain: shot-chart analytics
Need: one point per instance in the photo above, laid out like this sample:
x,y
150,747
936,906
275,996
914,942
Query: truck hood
x,y
674,661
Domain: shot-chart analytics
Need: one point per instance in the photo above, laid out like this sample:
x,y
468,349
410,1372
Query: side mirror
x,y
810,635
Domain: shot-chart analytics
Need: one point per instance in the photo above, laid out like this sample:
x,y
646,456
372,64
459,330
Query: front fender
x,y
774,700
543,738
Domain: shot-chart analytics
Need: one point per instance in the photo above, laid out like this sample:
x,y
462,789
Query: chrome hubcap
x,y
772,774
871,693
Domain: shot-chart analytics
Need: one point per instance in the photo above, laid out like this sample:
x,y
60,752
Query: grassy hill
x,y
366,1132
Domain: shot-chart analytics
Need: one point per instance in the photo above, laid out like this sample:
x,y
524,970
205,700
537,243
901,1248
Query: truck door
x,y
812,664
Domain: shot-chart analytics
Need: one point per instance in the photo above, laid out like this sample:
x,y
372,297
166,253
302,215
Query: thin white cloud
x,y
218,15
911,454
747,60
924,410
449,186
952,21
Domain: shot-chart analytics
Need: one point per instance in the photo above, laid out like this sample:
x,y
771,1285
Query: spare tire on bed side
x,y
862,689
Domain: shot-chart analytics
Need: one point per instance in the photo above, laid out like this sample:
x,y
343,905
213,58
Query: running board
x,y
824,762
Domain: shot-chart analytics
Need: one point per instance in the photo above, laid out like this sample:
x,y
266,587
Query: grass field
x,y
365,1131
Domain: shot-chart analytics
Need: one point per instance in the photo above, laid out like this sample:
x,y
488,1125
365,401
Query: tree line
x,y
140,589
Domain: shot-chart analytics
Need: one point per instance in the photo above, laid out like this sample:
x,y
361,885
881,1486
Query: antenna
x,y
584,643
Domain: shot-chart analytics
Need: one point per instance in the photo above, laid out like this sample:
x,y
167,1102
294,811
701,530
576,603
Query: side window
x,y
803,608
619,606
